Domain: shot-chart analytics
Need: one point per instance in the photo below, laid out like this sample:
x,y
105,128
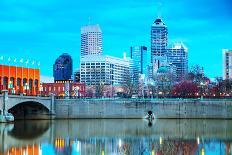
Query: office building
x,y
227,64
159,38
108,70
178,55
63,68
91,40
139,55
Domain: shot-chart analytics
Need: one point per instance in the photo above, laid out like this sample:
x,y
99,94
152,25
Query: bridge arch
x,y
30,110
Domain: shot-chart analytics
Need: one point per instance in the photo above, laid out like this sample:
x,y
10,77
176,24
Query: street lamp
x,y
151,94
13,91
201,84
10,86
26,87
78,88
41,89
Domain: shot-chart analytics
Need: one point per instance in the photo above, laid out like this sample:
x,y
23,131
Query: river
x,y
116,137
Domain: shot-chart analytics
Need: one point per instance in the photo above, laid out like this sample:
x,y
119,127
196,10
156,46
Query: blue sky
x,y
42,30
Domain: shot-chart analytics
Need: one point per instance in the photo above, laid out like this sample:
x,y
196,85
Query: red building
x,y
19,80
58,89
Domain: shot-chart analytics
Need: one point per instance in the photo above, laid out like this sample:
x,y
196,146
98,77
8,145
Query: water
x,y
117,137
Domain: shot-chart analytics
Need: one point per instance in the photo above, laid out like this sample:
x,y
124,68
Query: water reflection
x,y
115,137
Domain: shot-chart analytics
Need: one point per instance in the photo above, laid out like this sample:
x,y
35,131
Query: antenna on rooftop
x,y
89,20
159,9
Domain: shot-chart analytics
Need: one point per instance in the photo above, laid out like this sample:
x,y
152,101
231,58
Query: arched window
x,y
30,83
5,82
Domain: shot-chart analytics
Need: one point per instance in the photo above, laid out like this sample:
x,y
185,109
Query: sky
x,y
44,29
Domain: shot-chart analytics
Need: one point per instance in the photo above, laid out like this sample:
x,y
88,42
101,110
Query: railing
x,y
146,99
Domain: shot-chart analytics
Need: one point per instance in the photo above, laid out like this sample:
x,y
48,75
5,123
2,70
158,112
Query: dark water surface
x,y
117,137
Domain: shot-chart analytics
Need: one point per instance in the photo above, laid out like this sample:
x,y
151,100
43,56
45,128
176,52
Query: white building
x,y
178,55
91,40
108,70
227,63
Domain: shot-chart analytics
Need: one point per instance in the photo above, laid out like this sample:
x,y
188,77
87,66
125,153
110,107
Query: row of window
x,y
80,88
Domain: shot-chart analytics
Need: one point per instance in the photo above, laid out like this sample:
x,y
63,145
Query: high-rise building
x,y
139,55
178,55
96,69
159,38
63,68
91,40
227,63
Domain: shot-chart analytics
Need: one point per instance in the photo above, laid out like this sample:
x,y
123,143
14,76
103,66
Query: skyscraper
x,y
63,68
227,63
159,38
178,55
91,40
139,56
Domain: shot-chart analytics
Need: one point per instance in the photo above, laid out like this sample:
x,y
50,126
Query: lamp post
x,y
151,94
26,87
40,89
78,88
201,84
10,86
13,91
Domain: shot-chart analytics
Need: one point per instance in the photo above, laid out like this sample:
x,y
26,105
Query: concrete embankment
x,y
123,108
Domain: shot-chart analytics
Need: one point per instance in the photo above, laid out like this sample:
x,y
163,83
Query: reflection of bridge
x,y
35,132
27,106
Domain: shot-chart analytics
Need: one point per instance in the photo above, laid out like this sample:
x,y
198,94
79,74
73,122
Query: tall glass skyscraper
x,y
91,40
63,68
139,55
159,38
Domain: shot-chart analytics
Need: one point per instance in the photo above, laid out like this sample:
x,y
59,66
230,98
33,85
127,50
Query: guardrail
x,y
144,99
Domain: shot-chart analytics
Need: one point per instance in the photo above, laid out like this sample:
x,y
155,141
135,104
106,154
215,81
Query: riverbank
x,y
137,109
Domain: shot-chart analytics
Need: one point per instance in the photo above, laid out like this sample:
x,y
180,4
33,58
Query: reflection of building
x,y
159,38
227,64
178,56
108,70
58,89
91,40
29,149
19,80
63,68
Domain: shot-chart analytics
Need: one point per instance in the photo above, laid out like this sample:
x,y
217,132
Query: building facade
x,y
178,56
63,68
96,69
60,89
139,55
91,40
159,38
227,63
20,80
77,76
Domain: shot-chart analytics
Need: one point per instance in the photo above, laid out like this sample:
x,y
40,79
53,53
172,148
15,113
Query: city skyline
x,y
33,29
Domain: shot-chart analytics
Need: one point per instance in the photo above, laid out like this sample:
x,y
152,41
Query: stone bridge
x,y
24,106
